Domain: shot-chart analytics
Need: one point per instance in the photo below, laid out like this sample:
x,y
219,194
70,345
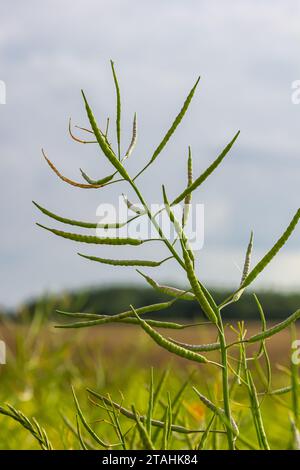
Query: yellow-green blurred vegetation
x,y
43,362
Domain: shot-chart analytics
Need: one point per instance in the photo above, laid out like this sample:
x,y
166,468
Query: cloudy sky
x,y
247,54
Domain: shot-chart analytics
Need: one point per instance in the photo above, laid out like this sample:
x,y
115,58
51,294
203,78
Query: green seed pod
x,y
31,426
132,207
133,139
130,320
125,262
154,422
171,291
198,347
175,123
275,329
172,129
106,149
79,223
182,236
279,391
257,412
296,435
86,425
100,182
188,198
102,319
79,435
246,269
247,259
206,173
145,438
218,411
203,302
267,258
171,347
118,117
92,239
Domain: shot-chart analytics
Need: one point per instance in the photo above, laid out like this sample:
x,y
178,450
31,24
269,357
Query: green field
x,y
43,363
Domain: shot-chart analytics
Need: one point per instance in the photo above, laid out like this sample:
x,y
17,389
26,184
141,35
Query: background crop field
x,y
43,362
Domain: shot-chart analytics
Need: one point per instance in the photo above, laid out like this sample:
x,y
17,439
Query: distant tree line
x,y
104,300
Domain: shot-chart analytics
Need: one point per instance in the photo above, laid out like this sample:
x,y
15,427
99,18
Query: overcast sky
x,y
247,54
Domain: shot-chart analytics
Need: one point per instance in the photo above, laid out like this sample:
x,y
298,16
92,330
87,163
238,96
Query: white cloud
x,y
247,54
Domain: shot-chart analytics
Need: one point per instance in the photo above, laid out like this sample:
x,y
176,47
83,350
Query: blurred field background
x,y
43,362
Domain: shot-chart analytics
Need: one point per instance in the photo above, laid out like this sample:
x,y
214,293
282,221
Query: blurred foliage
x,y
43,363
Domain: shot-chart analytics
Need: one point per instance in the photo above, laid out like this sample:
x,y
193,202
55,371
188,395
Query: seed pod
x,y
104,135
132,207
87,426
218,411
296,435
31,426
145,438
246,268
206,173
82,443
107,127
279,391
203,302
172,217
105,319
167,433
177,226
77,139
79,223
198,347
275,329
133,139
268,257
188,198
101,319
205,435
100,182
125,262
172,129
171,291
155,422
247,259
102,141
257,412
67,180
92,239
171,347
118,117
